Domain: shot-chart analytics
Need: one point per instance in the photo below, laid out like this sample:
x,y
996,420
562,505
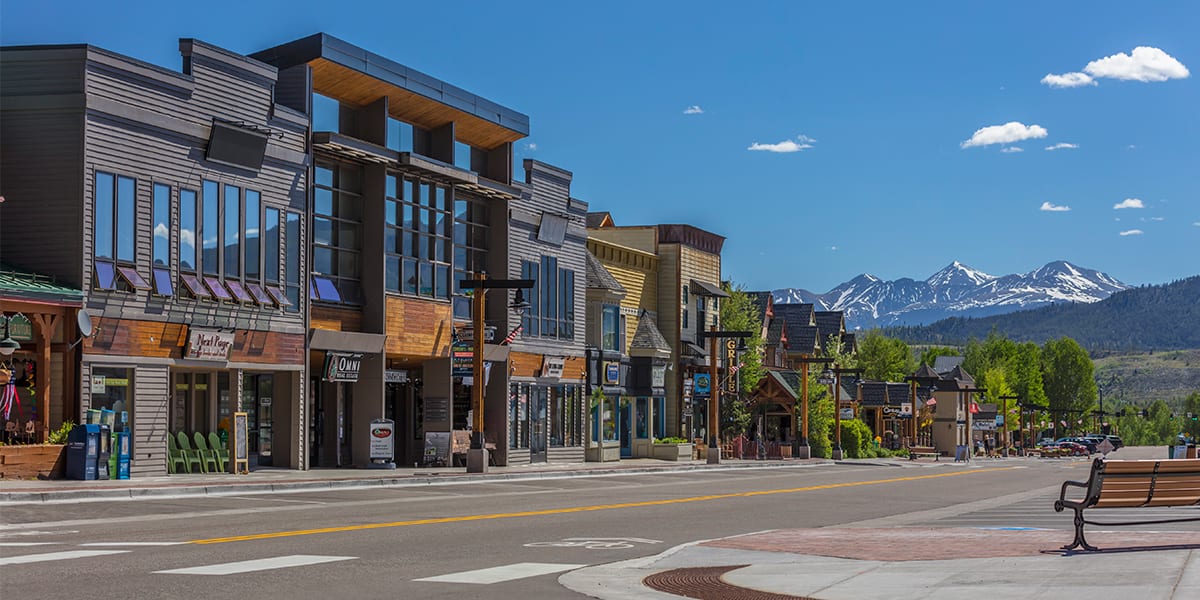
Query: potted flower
x,y
43,461
671,448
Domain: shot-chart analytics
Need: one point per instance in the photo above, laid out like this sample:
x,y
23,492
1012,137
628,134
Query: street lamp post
x,y
800,447
477,459
837,407
1004,426
714,390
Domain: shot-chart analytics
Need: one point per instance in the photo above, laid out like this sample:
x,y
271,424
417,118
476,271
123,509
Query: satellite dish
x,y
84,320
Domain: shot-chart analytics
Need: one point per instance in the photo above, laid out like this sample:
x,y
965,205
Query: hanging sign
x,y
731,365
552,366
209,345
462,360
612,373
701,384
395,376
20,328
658,376
342,366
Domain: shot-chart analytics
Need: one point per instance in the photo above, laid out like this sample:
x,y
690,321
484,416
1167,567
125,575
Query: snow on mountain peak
x,y
956,274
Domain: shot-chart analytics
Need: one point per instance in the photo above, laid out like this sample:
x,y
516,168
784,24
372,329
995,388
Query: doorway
x,y
258,399
625,428
538,403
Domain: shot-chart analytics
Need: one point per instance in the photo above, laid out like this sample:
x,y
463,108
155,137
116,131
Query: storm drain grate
x,y
705,583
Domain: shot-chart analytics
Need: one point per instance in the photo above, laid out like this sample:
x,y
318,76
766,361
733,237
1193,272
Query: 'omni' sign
x,y
340,366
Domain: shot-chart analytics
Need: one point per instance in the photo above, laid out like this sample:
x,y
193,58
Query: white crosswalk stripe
x,y
65,555
262,564
503,573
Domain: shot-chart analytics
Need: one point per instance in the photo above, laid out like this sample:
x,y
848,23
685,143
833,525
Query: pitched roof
x,y
944,364
850,343
798,313
790,380
647,336
599,278
599,219
926,372
802,339
897,393
32,286
762,301
961,375
829,322
775,331
874,393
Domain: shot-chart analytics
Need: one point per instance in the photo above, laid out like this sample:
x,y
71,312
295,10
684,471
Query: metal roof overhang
x,y
355,87
344,146
702,288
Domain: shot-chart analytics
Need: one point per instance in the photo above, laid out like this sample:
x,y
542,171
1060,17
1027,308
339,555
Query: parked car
x,y
1115,440
1089,445
1073,448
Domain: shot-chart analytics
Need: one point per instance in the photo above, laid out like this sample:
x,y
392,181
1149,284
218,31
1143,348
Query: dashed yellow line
x,y
578,509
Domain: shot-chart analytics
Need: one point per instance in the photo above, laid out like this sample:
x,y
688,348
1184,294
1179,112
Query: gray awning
x,y
690,348
707,289
346,341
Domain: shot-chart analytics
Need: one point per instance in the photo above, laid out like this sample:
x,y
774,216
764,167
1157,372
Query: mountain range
x,y
955,291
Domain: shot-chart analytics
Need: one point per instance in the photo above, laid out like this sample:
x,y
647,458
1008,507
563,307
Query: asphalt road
x,y
377,543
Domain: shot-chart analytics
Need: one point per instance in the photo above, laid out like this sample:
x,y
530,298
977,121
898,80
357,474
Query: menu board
x,y
241,442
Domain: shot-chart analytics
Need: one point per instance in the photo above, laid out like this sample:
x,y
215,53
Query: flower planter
x,y
671,451
35,461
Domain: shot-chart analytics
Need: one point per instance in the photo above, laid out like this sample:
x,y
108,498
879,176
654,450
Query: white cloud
x,y
802,142
1051,207
1128,203
531,146
1004,134
161,231
834,248
1196,224
1062,146
1145,64
1068,80
1131,147
1011,149
693,110
1131,232
187,237
1158,219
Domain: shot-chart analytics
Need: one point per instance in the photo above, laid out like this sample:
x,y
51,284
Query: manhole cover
x,y
705,583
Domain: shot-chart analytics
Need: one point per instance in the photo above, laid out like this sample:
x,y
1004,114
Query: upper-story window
x,y
161,246
551,312
233,230
472,226
468,157
399,135
210,229
684,299
417,237
291,267
610,328
114,236
337,233
326,113
701,325
187,230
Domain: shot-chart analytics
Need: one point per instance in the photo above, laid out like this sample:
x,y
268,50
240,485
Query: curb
x,y
226,489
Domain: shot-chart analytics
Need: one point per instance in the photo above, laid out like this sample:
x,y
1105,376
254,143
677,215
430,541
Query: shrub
x,y
59,436
670,440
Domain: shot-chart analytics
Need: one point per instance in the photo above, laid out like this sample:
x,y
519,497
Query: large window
x,y
211,230
337,232
700,313
114,235
252,235
161,246
233,230
292,261
471,231
187,230
610,328
417,238
271,243
551,312
325,113
399,135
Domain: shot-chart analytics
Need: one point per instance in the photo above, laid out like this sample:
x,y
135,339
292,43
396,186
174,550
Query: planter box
x,y
35,461
671,451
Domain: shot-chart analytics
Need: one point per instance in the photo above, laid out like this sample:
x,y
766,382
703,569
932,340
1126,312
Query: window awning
x,y
693,349
707,289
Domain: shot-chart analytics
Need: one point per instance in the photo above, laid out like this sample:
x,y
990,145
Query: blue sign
x,y
612,373
701,384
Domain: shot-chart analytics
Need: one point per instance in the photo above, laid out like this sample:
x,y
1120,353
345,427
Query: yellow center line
x,y
577,509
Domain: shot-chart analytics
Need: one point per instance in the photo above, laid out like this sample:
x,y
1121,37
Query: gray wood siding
x,y
158,134
565,454
149,416
41,125
550,191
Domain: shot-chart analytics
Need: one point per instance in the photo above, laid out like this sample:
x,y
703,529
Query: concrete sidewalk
x,y
266,480
922,563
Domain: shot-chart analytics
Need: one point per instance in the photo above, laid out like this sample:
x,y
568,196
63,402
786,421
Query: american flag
x,y
512,335
734,368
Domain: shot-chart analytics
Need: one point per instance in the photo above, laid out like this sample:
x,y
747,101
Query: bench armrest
x,y
1062,497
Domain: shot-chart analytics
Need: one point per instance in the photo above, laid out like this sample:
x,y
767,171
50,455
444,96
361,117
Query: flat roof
x,y
350,73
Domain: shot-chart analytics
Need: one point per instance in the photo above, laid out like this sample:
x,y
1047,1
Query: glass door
x,y
257,401
625,425
537,423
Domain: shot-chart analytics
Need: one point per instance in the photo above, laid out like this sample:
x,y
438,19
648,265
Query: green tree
x,y
1025,374
929,355
820,420
883,358
739,313
995,381
1067,375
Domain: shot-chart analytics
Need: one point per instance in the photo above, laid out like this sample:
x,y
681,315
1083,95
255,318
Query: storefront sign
x,y
552,366
658,376
462,360
395,376
731,364
382,446
20,328
341,366
209,345
847,413
612,373
906,409
99,384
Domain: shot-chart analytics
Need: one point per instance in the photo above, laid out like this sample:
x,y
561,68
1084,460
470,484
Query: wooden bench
x,y
1133,484
915,452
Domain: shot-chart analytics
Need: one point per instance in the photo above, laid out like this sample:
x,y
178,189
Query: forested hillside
x,y
1157,317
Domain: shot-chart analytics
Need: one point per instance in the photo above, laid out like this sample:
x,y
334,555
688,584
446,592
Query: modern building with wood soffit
x,y
411,190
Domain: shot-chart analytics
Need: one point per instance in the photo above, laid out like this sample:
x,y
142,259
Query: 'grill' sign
x,y
340,366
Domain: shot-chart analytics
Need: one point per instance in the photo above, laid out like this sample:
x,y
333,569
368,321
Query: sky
x,y
821,139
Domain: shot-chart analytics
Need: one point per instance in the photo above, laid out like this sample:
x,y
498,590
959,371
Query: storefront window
x,y
660,417
518,410
117,395
642,429
609,418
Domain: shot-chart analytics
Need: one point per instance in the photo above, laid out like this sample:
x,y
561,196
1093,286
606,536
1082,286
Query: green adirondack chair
x,y
191,456
209,455
174,456
219,450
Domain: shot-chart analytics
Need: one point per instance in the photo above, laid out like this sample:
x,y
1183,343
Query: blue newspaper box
x,y
103,452
121,452
83,452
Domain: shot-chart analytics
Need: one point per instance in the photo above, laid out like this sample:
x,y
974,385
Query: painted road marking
x,y
598,543
577,509
102,544
262,564
505,573
66,555
22,544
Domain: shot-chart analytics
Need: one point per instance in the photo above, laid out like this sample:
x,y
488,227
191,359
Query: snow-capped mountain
x,y
955,291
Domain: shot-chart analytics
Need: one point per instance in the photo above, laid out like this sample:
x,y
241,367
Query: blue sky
x,y
881,101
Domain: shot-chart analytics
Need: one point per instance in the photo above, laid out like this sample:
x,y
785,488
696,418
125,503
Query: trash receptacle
x,y
121,454
1191,451
104,452
83,452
